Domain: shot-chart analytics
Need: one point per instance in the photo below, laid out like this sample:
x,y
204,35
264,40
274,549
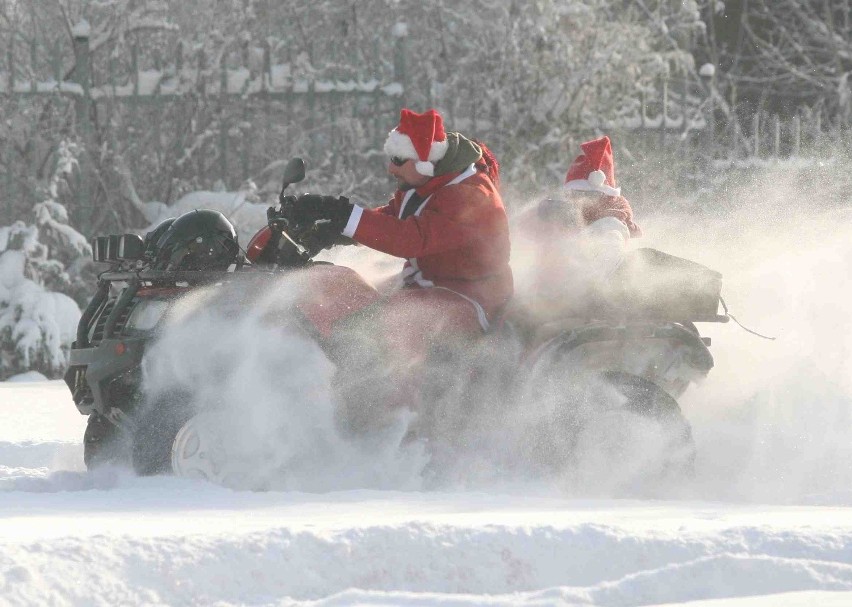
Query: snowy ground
x,y
70,538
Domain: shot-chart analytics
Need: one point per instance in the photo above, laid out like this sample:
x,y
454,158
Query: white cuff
x,y
354,220
605,225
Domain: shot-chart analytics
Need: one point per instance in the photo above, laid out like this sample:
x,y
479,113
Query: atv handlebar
x,y
297,242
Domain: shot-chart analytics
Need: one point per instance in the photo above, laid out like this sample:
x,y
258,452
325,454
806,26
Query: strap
x,y
480,311
746,329
410,205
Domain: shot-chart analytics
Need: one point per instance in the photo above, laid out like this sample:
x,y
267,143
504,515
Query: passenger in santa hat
x,y
592,195
447,221
567,244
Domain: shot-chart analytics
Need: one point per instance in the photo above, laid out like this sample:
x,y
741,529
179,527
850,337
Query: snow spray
x,y
772,422
271,388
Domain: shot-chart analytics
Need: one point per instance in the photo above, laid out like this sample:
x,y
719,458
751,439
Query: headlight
x,y
146,314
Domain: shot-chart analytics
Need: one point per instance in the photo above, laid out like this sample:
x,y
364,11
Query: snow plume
x,y
487,422
271,389
773,420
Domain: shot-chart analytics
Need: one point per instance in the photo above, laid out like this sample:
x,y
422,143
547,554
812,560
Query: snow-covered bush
x,y
40,264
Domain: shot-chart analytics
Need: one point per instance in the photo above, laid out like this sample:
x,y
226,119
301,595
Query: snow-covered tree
x,y
526,77
39,263
783,55
531,78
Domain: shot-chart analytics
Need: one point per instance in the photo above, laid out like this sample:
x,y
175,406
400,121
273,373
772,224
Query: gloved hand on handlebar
x,y
310,208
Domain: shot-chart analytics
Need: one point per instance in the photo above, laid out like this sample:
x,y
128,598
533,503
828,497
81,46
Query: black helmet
x,y
197,240
153,236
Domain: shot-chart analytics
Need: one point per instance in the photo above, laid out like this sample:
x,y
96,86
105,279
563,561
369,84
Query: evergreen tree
x,y
40,264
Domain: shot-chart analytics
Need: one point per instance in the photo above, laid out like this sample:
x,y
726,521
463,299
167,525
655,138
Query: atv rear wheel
x,y
644,401
606,432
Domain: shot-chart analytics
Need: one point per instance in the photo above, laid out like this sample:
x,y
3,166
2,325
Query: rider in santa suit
x,y
447,221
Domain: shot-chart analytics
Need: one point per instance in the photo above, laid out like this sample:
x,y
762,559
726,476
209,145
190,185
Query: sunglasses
x,y
397,161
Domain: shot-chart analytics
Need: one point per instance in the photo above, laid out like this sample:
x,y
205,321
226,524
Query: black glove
x,y
307,209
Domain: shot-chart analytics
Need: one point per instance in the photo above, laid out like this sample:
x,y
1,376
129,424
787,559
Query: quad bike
x,y
631,358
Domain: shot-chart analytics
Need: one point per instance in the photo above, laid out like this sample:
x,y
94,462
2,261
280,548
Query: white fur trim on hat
x,y
586,185
398,144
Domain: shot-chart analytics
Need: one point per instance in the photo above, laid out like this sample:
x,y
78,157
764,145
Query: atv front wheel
x,y
199,449
156,429
172,438
104,443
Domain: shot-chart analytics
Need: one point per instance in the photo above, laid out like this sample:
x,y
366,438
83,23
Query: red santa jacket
x,y
454,233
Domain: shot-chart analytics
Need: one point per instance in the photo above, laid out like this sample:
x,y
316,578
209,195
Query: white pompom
x,y
425,168
596,178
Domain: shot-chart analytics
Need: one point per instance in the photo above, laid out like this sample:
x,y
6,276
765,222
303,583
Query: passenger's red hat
x,y
594,169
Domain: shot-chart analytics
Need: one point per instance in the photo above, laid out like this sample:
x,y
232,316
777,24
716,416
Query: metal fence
x,y
678,112
225,110
188,117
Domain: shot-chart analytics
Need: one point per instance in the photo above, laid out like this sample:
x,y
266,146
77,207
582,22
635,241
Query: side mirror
x,y
294,172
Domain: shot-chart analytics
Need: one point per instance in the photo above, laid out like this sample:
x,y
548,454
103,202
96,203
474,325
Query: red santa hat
x,y
594,169
418,137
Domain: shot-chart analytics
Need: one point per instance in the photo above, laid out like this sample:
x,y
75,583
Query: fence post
x,y
755,127
265,86
81,76
334,108
377,118
733,120
200,80
10,183
223,120
777,135
245,148
10,61
664,112
56,62
179,62
797,135
33,61
134,67
312,119
475,101
376,126
111,104
400,33
711,116
81,68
